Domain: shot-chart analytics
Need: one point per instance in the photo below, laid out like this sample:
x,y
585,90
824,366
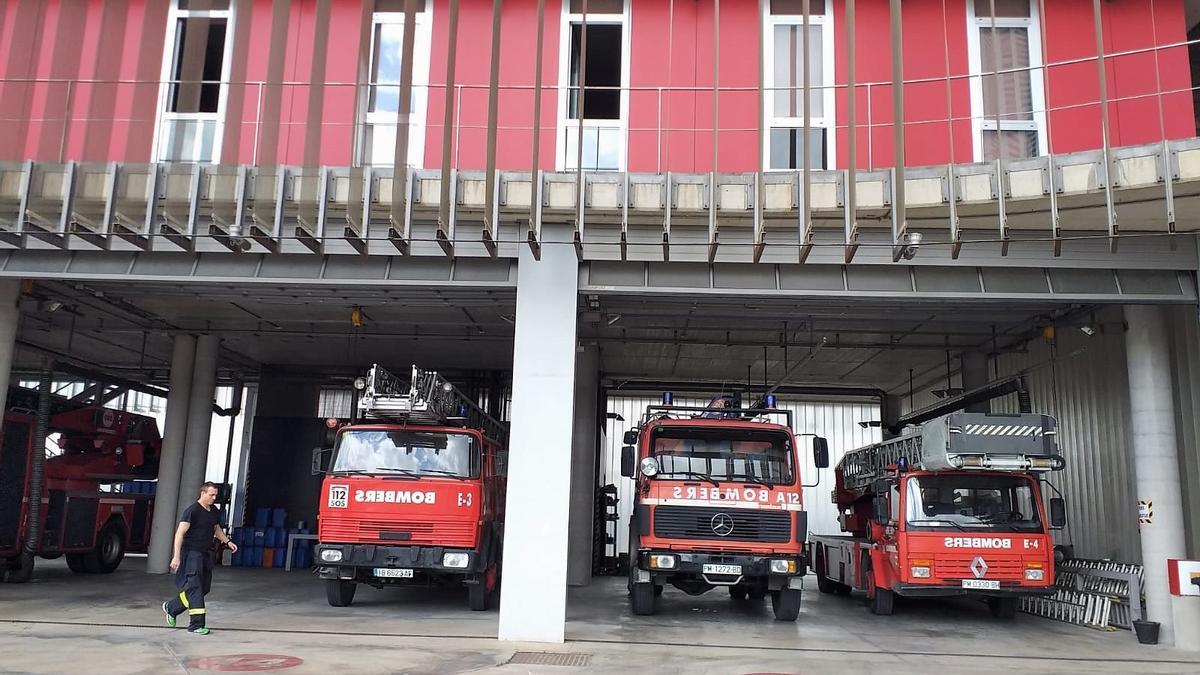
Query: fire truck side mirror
x,y
320,460
820,452
631,437
883,513
1058,512
628,461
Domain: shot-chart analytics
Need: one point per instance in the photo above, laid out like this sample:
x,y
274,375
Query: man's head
x,y
208,494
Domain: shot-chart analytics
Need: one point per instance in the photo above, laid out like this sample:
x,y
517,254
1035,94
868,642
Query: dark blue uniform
x,y
194,576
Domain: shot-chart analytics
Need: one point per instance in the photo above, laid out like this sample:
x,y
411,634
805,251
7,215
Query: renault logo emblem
x,y
978,567
722,524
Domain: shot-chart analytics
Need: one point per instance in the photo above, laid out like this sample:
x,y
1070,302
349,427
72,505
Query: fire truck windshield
x,y
723,455
964,501
408,453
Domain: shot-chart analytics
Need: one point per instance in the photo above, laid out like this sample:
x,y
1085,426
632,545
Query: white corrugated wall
x,y
835,420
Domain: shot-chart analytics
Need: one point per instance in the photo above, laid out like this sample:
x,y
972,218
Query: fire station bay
x,y
744,336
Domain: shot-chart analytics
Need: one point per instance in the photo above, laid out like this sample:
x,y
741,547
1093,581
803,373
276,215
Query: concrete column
x,y
10,293
975,375
170,461
1156,463
199,424
533,600
583,467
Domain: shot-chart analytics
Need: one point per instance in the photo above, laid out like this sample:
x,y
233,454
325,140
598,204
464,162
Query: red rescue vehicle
x,y
93,528
951,508
718,503
414,493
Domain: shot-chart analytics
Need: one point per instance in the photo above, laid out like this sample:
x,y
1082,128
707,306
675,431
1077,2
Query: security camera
x,y
912,243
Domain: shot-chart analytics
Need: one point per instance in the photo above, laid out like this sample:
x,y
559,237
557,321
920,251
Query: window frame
x,y
170,50
422,46
828,119
566,125
975,26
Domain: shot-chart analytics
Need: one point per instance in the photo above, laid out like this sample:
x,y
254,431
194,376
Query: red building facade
x,y
314,82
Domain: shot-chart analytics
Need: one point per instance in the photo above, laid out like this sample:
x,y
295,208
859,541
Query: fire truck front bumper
x,y
956,590
723,569
357,561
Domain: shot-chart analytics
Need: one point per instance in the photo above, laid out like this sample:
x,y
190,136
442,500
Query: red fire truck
x,y
718,503
414,493
951,508
99,447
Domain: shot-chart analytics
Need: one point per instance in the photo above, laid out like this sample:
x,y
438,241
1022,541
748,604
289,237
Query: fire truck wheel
x,y
339,593
76,563
786,604
642,599
881,600
1003,608
109,551
737,592
658,590
21,571
824,583
842,589
479,595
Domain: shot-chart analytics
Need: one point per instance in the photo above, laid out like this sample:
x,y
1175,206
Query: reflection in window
x,y
407,452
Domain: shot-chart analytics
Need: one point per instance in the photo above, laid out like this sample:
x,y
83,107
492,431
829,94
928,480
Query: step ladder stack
x,y
425,398
1100,594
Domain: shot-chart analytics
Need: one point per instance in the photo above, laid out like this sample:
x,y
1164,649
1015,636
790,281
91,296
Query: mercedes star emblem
x,y
722,524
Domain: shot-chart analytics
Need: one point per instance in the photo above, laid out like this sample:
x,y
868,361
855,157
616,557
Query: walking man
x,y
192,561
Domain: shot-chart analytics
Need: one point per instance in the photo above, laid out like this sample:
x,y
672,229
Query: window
x,y
1009,125
724,455
416,453
382,95
605,76
784,89
964,501
195,81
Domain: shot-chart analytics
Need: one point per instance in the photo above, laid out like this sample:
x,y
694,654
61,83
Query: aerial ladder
x,y
425,398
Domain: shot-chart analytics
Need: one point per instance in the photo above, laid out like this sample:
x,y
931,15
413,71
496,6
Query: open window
x,y
1010,125
381,104
603,72
784,88
195,81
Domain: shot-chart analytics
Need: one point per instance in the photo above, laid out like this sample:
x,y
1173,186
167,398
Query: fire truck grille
x,y
398,532
959,567
690,522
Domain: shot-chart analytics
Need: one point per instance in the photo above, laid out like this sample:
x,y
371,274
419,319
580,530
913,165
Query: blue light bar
x,y
668,398
770,400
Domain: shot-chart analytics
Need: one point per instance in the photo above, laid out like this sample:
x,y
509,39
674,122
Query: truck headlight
x,y
783,567
663,562
455,560
919,572
1034,574
649,467
331,555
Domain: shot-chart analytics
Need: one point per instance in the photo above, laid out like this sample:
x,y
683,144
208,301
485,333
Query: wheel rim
x,y
110,547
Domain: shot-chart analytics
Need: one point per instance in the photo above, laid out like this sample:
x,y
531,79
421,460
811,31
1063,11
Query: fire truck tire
x,y
737,592
881,600
339,593
824,583
22,570
1003,608
109,551
786,604
641,599
658,590
76,563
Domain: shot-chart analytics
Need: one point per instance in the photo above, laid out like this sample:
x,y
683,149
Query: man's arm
x,y
179,532
219,533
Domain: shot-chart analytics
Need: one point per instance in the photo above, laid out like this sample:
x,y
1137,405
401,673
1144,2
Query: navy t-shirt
x,y
202,522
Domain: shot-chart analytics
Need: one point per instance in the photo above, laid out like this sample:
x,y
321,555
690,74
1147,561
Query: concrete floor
x,y
61,622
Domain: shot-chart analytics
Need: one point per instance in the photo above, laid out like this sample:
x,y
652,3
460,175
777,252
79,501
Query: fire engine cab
x,y
414,492
951,508
718,503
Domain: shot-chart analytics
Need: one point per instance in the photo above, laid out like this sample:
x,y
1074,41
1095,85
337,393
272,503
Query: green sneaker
x,y
202,630
170,617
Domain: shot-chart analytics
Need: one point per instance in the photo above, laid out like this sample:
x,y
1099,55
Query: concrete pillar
x,y
583,467
10,293
170,461
974,376
533,600
1156,464
199,424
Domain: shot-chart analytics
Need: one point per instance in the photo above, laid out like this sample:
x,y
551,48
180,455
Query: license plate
x,y
981,584
393,573
723,569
